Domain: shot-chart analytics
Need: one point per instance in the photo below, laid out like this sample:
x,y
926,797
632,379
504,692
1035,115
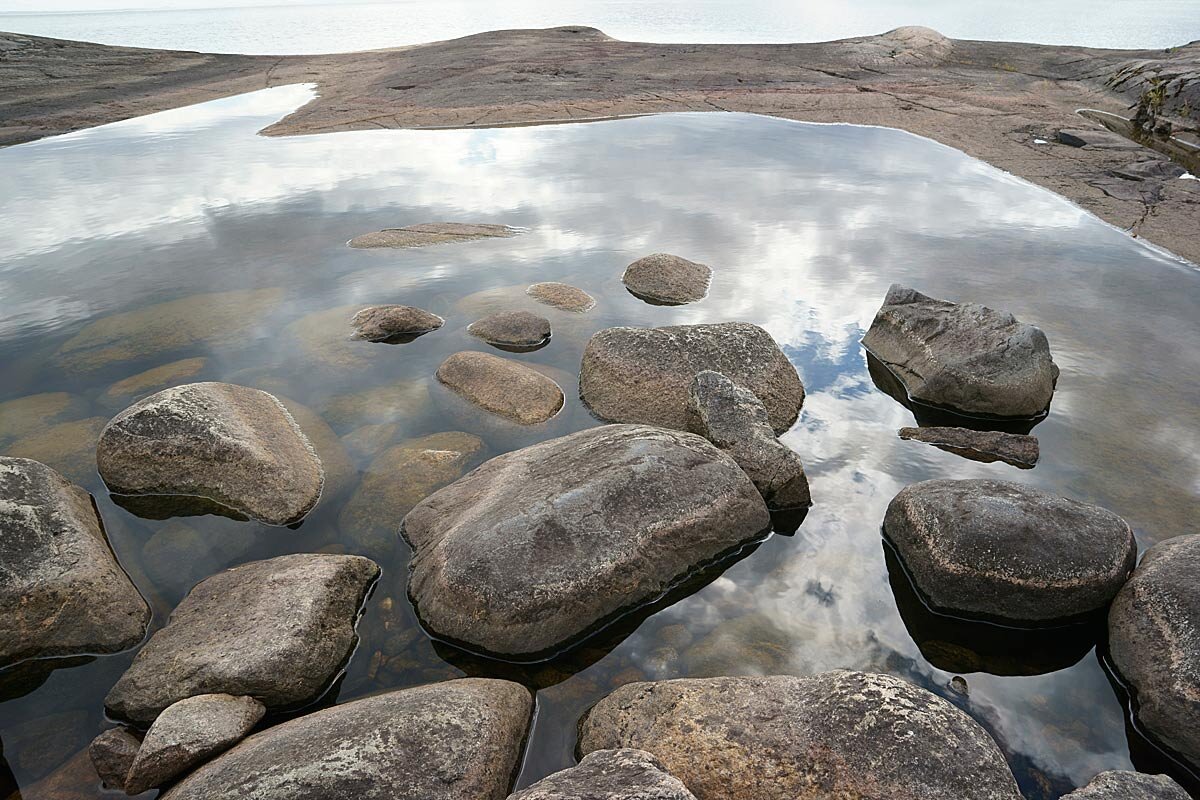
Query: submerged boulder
x,y
1121,785
645,374
609,775
536,548
963,357
1007,551
230,444
502,386
836,734
562,296
515,329
383,323
664,279
61,590
1017,449
428,233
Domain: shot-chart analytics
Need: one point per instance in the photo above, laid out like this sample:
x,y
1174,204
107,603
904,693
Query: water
x,y
805,226
339,27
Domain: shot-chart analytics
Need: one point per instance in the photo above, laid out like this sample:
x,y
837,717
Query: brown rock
x,y
562,296
1120,785
502,386
431,233
609,775
383,323
138,386
517,329
112,754
986,446
664,279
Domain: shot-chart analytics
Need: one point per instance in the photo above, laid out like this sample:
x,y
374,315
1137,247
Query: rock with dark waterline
x,y
1017,449
609,775
380,323
512,329
502,386
665,279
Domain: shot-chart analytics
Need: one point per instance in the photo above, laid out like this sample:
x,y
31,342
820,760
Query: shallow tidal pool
x,y
186,242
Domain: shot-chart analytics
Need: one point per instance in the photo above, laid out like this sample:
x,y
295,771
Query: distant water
x,y
345,26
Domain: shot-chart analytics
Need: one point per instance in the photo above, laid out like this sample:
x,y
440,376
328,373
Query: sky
x,y
48,6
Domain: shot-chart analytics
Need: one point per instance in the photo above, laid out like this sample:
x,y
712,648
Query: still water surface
x,y
805,227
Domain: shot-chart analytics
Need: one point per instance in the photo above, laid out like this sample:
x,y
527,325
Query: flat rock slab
x,y
609,775
61,590
453,740
645,374
1098,139
536,548
1007,551
501,386
277,630
1120,785
230,444
112,754
664,279
832,735
429,233
385,323
963,357
1017,449
1154,643
518,329
562,296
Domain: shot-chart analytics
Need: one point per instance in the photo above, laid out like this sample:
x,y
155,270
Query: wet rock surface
x,y
1154,643
277,630
1120,785
562,296
62,592
429,233
385,323
964,357
517,329
502,386
534,548
664,279
609,775
230,444
836,734
1016,449
1003,550
112,754
644,375
443,741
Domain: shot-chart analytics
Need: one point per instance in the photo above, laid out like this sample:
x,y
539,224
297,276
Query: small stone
x,y
512,329
112,754
1120,785
958,685
609,775
501,386
562,296
664,279
1017,449
429,233
385,323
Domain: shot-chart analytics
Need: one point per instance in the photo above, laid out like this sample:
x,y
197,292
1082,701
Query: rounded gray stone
x,y
664,279
502,386
1121,785
609,775
112,753
380,323
512,329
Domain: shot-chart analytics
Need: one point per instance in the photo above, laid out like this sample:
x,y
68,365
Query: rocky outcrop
x,y
1016,449
230,444
444,741
1119,785
428,233
963,357
392,322
1007,551
112,754
609,775
536,548
836,734
562,296
664,279
645,374
501,386
277,630
512,329
62,591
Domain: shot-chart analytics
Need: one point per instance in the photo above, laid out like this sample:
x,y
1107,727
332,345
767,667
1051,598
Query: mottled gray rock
x,y
188,733
1120,785
664,279
533,549
562,296
455,740
230,444
512,329
1154,643
278,630
963,357
609,775
428,233
644,374
501,386
381,323
833,735
61,590
112,754
1017,449
735,420
1008,551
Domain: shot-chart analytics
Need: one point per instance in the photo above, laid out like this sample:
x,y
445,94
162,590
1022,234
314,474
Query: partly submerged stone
x,y
963,357
112,754
562,296
135,387
1007,551
836,734
502,386
664,279
230,444
512,329
324,342
61,590
36,412
645,374
178,555
340,472
735,420
366,441
1122,785
278,630
386,323
536,548
69,447
429,233
1154,643
1017,449
442,741
610,775
401,402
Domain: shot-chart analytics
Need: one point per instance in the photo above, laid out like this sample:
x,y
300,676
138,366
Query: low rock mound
x,y
428,233
610,775
512,329
386,323
1017,449
501,386
664,279
562,296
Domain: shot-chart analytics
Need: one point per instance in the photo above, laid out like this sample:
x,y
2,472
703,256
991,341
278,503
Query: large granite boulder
x,y
1120,785
230,444
609,775
833,735
644,374
536,548
963,357
1007,551
277,630
427,233
61,590
1154,644
664,279
502,386
455,740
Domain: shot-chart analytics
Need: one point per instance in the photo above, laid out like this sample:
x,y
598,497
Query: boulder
x,y
562,296
1006,551
1153,643
645,374
833,735
428,233
62,592
385,323
1017,449
963,357
278,630
539,547
230,444
664,279
188,733
1120,785
112,754
443,741
609,775
512,329
735,420
502,386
